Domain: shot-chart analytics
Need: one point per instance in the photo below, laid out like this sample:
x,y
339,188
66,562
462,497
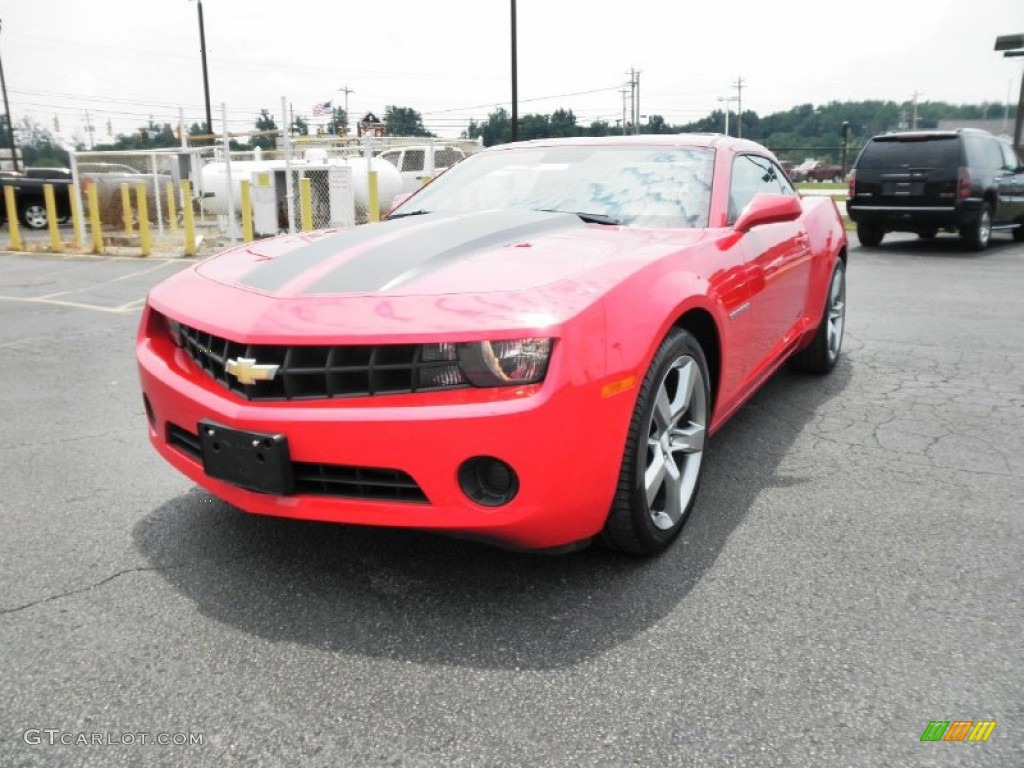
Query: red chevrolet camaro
x,y
531,350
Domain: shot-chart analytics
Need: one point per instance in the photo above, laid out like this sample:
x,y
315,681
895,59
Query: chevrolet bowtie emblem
x,y
248,371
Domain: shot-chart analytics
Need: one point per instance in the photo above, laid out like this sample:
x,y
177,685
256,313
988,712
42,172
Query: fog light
x,y
488,481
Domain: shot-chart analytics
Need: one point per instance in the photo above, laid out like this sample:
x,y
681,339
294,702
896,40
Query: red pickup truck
x,y
814,170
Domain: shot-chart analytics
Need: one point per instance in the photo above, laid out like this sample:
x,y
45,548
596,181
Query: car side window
x,y
994,155
413,160
1010,161
751,175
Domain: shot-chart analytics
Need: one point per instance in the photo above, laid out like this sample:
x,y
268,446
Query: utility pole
x,y
636,121
10,120
346,90
738,85
89,129
206,77
515,78
634,99
624,92
913,114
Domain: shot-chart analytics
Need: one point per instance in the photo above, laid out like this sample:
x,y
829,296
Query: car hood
x,y
488,269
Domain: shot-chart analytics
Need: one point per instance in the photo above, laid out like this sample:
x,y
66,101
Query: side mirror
x,y
768,209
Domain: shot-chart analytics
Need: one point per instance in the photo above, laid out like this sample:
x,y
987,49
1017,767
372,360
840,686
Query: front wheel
x,y
34,215
823,353
664,452
977,235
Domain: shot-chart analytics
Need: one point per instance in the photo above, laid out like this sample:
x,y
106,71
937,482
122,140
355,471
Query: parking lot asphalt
x,y
853,569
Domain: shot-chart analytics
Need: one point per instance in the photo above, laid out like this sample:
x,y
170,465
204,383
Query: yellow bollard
x,y
94,219
172,207
306,204
12,219
51,219
246,211
126,208
15,230
145,240
373,214
76,216
187,216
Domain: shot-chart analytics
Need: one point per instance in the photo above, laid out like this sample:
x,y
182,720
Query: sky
x,y
126,62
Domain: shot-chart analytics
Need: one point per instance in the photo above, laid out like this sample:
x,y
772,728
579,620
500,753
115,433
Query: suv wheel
x,y
870,235
34,215
1018,233
977,235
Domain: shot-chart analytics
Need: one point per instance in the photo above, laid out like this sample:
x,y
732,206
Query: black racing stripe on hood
x,y
283,269
448,240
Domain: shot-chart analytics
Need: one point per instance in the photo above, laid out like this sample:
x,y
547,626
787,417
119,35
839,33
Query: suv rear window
x,y
931,152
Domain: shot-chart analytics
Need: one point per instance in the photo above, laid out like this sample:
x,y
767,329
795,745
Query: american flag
x,y
319,110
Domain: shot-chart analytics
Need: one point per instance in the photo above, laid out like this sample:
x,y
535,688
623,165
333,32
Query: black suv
x,y
965,181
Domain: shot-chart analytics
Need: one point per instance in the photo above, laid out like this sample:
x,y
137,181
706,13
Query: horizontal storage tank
x,y
215,180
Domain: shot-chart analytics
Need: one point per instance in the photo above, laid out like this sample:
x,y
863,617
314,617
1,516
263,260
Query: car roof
x,y
645,140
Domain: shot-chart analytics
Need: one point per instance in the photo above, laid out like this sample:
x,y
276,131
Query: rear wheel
x,y
977,235
664,450
870,235
1018,233
34,215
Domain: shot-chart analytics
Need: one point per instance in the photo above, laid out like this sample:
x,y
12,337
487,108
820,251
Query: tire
x,y
1018,233
823,353
976,236
870,235
33,215
664,451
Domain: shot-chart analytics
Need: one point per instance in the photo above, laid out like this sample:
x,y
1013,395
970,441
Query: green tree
x,y
38,146
265,122
404,121
300,127
338,124
496,130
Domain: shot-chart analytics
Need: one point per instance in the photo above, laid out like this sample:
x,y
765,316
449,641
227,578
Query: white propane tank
x,y
389,182
215,180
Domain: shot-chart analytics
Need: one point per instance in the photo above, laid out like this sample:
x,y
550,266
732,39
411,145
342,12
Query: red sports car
x,y
531,350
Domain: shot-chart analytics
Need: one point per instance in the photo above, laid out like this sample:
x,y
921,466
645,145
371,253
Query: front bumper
x,y
562,437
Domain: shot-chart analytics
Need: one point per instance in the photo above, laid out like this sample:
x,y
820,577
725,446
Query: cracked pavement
x,y
852,571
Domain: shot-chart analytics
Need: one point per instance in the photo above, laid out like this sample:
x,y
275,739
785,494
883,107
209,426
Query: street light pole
x,y
10,121
728,100
206,77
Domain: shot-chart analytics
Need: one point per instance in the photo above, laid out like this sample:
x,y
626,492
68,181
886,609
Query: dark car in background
x,y
30,198
966,181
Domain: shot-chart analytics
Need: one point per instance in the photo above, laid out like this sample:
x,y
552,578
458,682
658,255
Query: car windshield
x,y
639,186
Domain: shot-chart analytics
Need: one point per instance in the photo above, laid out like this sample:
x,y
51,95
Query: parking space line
x,y
136,273
123,309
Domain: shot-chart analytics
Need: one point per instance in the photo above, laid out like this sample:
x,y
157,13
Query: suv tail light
x,y
963,186
851,188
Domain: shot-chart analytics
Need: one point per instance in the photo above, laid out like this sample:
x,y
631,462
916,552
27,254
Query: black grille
x,y
323,372
326,479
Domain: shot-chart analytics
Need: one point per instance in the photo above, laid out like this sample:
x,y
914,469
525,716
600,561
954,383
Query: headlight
x,y
174,329
504,363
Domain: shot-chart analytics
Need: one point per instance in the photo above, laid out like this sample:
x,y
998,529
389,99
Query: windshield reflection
x,y
637,186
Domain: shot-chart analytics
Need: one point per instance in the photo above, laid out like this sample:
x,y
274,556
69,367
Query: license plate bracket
x,y
257,461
